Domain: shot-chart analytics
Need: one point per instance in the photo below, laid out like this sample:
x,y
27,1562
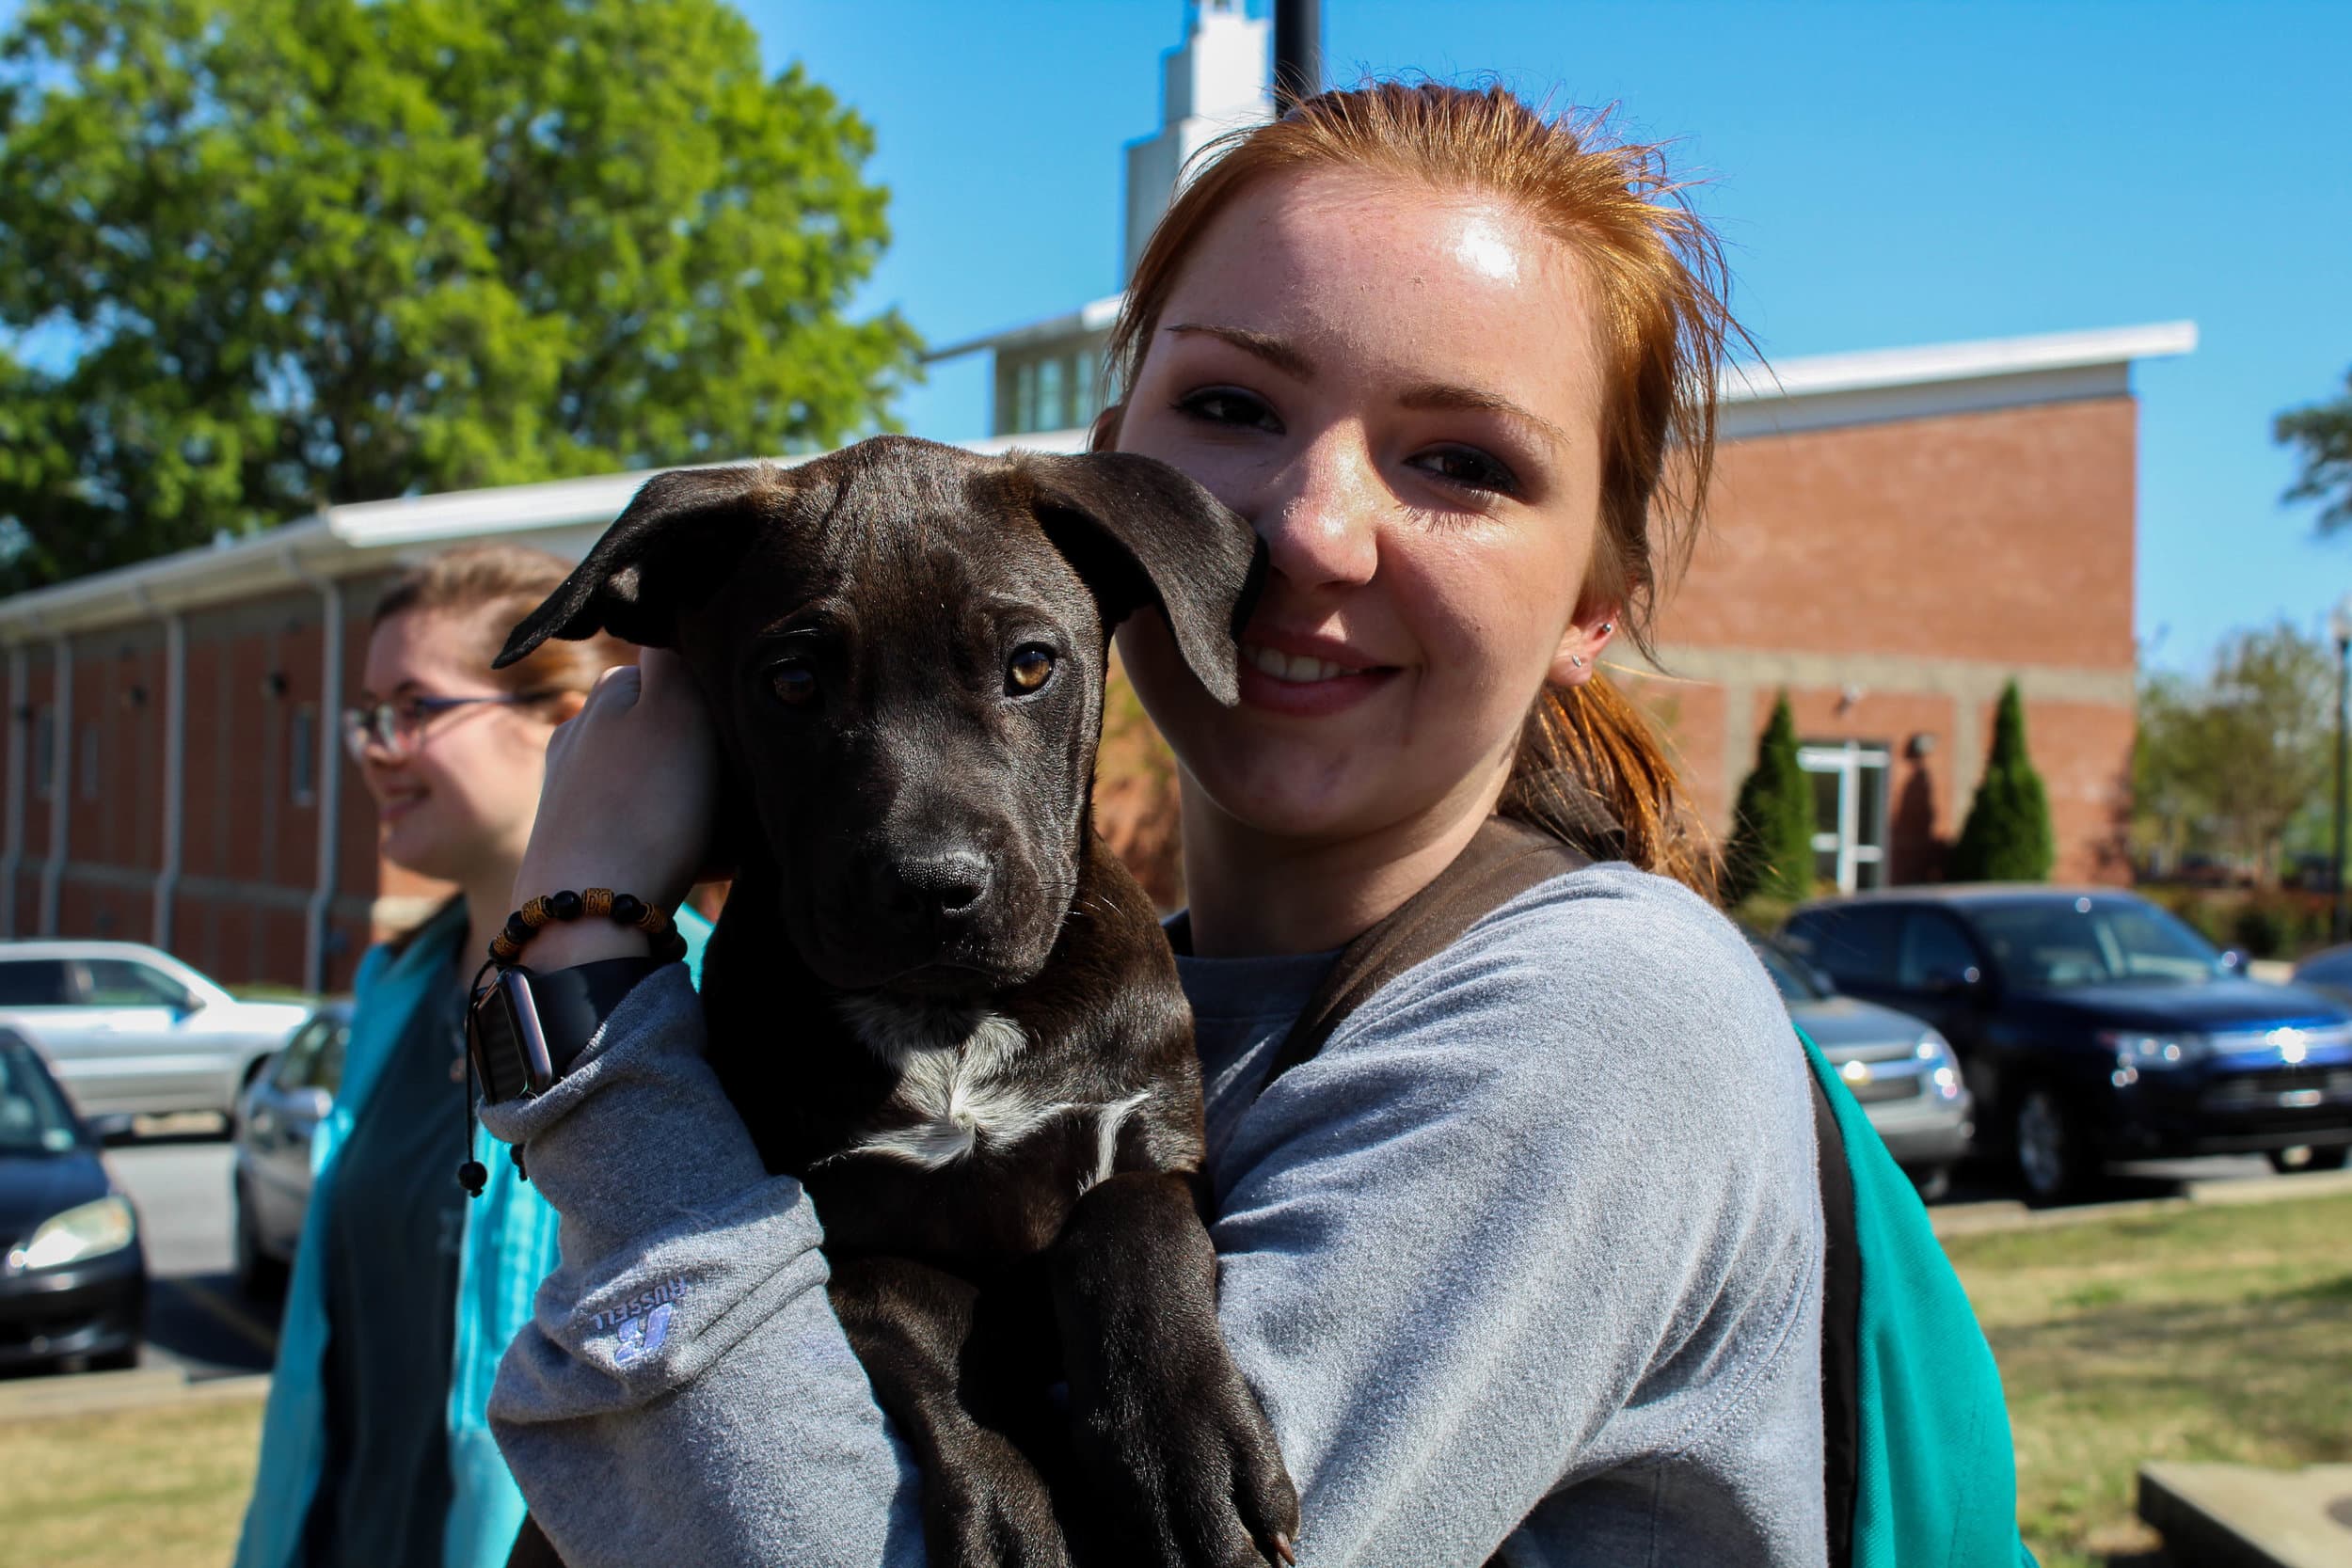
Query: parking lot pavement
x,y
197,1320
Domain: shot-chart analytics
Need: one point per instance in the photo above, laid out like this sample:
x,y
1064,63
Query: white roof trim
x,y
1872,370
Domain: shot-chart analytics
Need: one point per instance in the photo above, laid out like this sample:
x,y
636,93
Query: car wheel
x,y
2286,1161
1933,1181
2052,1160
260,1277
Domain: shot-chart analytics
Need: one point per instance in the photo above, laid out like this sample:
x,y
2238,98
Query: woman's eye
x,y
1027,669
1467,465
1228,405
795,685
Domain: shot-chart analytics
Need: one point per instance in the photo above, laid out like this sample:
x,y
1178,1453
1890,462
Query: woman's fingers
x,y
630,787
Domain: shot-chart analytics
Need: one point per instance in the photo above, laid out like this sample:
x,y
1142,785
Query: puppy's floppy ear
x,y
1139,533
680,537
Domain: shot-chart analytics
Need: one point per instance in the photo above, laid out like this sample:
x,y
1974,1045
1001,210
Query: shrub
x,y
1770,852
2008,837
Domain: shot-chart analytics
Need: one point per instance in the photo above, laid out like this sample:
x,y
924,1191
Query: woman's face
x,y
459,795
1399,390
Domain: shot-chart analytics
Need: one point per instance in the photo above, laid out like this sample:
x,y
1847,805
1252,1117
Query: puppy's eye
x,y
1029,669
795,685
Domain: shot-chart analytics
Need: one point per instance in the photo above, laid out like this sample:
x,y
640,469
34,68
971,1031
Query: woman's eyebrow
x,y
1271,349
1438,394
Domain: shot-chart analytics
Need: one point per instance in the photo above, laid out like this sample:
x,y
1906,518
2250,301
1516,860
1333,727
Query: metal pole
x,y
2343,711
1297,50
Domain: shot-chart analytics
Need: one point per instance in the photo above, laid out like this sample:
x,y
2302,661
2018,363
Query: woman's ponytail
x,y
1592,771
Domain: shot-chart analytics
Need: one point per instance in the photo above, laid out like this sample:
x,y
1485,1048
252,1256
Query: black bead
x,y
473,1176
670,946
627,908
517,928
565,905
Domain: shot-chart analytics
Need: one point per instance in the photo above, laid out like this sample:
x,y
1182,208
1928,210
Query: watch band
x,y
527,1029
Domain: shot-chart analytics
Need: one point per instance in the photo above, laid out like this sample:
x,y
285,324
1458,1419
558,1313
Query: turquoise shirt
x,y
509,1247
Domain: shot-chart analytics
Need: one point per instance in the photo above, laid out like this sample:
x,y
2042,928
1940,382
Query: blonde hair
x,y
1589,767
488,588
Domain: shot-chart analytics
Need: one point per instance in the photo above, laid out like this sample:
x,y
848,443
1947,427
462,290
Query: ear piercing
x,y
1605,628
1576,661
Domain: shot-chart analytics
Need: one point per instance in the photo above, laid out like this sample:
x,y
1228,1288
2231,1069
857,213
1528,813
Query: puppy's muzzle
x,y
938,896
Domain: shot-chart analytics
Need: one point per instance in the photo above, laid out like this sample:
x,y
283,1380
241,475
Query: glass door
x,y
1848,811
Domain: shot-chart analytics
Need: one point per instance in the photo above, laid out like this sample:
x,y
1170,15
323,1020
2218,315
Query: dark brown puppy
x,y
934,996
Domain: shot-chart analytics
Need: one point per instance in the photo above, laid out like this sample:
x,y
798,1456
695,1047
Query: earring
x,y
1605,628
1576,661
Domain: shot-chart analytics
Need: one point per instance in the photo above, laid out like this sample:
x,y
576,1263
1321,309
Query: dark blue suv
x,y
2094,1026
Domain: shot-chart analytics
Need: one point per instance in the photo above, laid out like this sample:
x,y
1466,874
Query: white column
x,y
60,781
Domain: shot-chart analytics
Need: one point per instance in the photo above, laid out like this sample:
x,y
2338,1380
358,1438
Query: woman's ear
x,y
1578,653
1102,436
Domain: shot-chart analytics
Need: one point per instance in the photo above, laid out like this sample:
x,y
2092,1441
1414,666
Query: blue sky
x,y
1885,174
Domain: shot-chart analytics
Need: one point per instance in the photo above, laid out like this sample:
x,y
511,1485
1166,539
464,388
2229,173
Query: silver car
x,y
132,1031
277,1120
1901,1070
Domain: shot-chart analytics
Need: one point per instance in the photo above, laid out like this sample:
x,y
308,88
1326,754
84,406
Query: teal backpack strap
x,y
1935,1470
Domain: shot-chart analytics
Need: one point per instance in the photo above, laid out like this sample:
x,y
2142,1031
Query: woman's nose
x,y
1321,519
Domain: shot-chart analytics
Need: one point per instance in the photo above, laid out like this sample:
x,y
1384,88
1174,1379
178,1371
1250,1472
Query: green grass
x,y
131,1489
2194,1334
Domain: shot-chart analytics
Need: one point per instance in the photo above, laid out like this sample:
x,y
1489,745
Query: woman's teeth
x,y
1284,667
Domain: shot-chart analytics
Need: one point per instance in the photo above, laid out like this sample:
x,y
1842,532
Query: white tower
x,y
1217,80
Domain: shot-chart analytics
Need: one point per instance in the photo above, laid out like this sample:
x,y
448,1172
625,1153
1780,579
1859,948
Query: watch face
x,y
502,1032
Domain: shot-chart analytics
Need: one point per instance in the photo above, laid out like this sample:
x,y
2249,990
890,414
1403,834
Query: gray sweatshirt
x,y
1527,1261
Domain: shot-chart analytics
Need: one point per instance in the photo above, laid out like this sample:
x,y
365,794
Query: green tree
x,y
2227,762
310,251
2323,432
1770,852
2006,837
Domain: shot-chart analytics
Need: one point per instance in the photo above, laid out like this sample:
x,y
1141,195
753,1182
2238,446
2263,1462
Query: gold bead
x,y
535,913
597,901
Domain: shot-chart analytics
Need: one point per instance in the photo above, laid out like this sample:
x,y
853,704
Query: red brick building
x,y
1896,535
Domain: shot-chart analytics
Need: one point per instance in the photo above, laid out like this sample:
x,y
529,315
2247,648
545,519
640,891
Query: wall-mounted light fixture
x,y
275,684
1919,747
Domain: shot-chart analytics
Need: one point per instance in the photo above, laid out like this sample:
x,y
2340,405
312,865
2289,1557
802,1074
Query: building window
x,y
1051,414
1848,811
44,754
1082,389
89,762
302,754
1023,397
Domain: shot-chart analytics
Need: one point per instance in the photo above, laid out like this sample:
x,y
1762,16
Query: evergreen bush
x,y
1770,852
2008,837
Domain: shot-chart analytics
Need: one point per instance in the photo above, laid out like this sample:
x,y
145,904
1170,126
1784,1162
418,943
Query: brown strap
x,y
1503,861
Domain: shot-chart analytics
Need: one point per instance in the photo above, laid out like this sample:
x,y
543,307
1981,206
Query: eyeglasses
x,y
393,726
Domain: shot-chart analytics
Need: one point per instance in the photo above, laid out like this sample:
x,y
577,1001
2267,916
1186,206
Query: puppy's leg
x,y
945,1381
1163,1424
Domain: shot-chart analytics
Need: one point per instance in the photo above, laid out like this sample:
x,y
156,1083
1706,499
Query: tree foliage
x,y
2322,432
310,251
2227,761
2007,836
1770,852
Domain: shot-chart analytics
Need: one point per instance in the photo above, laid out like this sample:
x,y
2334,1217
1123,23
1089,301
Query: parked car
x,y
2328,970
132,1031
2095,1026
277,1117
72,1273
1899,1068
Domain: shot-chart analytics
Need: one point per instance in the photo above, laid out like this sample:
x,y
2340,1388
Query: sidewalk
x,y
1971,1219
33,1398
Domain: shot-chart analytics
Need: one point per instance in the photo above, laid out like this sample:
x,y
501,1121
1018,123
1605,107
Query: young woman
x,y
1525,1265
374,1448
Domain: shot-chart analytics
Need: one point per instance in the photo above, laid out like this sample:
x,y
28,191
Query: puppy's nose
x,y
944,884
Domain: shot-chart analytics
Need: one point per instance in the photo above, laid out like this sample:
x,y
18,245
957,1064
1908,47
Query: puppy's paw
x,y
992,1510
1192,1475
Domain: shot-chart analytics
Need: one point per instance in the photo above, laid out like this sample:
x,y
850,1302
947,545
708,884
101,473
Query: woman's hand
x,y
631,785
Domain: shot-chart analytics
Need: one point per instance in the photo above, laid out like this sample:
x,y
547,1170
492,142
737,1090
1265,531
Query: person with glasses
x,y
375,1447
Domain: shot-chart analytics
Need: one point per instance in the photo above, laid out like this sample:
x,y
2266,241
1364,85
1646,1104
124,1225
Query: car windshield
x,y
2054,943
1794,983
34,1118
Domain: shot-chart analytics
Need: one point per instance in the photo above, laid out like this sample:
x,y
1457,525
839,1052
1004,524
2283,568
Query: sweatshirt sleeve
x,y
683,1392
1541,1207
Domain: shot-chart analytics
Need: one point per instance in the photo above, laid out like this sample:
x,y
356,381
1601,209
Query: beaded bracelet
x,y
622,909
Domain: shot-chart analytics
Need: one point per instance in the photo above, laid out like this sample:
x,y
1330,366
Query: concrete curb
x,y
33,1399
1976,1219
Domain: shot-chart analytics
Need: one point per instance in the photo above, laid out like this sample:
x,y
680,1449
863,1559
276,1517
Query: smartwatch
x,y
525,1031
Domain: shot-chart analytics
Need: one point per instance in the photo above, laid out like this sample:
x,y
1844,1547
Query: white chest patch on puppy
x,y
951,1061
